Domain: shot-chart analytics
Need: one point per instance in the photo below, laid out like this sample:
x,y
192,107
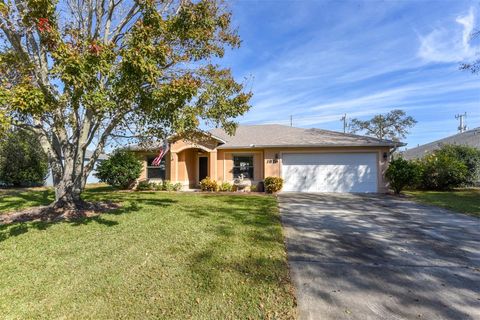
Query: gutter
x,y
254,146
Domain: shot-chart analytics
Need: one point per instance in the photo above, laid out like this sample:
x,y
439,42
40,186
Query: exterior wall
x,y
225,163
182,161
143,157
187,167
180,145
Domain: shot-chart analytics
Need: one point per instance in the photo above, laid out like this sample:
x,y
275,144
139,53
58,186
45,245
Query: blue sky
x,y
317,60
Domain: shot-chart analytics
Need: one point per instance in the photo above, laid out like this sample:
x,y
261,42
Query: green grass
x,y
161,256
11,200
464,200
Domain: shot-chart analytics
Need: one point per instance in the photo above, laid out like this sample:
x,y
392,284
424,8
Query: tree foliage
x,y
468,156
442,171
22,162
393,125
78,74
120,170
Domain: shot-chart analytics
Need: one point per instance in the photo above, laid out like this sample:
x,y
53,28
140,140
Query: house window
x,y
243,165
155,172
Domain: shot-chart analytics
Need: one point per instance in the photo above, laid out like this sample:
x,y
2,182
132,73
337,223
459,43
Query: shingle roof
x,y
469,138
274,135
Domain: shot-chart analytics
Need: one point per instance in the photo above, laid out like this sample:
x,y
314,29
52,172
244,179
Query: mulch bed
x,y
49,214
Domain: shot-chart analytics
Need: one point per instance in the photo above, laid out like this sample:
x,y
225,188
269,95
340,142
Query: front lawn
x,y
162,255
464,200
11,200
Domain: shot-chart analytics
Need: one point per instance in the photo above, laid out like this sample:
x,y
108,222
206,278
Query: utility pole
x,y
344,119
291,121
462,126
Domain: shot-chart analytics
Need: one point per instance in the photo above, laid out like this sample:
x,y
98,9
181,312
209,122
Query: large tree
x,y
80,72
393,125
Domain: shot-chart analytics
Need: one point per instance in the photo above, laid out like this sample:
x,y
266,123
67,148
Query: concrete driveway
x,y
380,257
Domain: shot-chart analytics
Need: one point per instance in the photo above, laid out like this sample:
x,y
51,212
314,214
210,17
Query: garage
x,y
330,172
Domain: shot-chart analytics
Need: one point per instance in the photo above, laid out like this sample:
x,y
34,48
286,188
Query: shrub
x,y
22,161
441,171
273,184
144,185
402,173
208,184
177,186
167,185
469,156
225,186
156,186
253,188
121,170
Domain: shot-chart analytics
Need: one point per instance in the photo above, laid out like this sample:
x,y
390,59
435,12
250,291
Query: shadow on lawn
x,y
14,199
130,204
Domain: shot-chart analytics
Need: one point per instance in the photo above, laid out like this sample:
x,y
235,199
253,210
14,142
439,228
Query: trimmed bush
x,y
177,186
167,185
402,173
253,188
273,184
121,170
225,186
144,185
441,171
208,184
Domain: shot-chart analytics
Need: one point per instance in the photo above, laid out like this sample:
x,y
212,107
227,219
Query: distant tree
x,y
474,65
22,162
394,125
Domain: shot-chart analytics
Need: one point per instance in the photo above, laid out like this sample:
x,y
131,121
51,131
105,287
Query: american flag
x,y
163,150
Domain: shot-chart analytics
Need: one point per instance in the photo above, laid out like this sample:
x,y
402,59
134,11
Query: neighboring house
x,y
469,138
309,160
91,177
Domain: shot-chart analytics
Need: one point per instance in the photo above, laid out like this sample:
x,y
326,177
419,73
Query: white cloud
x,y
450,44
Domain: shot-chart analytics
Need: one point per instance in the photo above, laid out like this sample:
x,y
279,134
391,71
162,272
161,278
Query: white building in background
x,y
91,178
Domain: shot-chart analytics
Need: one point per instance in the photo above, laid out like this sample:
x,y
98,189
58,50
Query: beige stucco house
x,y
309,160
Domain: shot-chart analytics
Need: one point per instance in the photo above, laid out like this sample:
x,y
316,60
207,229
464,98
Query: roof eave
x,y
310,146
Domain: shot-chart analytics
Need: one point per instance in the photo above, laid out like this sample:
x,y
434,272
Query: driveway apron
x,y
355,256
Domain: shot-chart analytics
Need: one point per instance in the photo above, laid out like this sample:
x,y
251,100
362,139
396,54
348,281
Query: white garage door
x,y
330,172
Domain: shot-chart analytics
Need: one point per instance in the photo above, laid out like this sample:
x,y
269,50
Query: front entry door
x,y
202,168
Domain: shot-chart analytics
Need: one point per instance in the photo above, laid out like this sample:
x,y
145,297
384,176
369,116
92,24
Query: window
x,y
243,165
156,172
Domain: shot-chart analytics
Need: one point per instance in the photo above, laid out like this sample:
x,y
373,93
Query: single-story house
x,y
91,177
468,138
309,160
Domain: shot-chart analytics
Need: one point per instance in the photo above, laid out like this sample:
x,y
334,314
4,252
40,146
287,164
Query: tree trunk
x,y
68,195
69,185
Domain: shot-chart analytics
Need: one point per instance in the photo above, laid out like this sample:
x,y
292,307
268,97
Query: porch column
x,y
212,164
173,174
